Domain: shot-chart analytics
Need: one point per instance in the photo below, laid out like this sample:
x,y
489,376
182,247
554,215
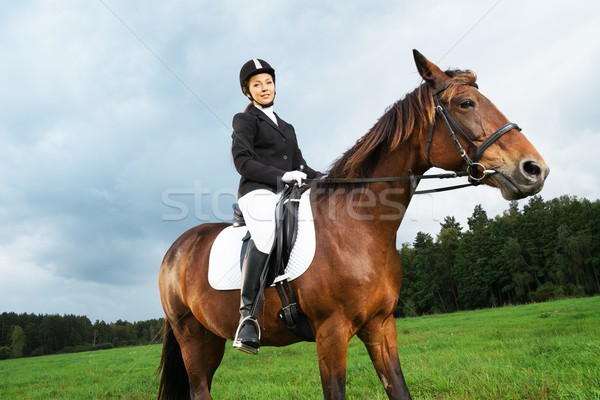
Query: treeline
x,y
33,335
550,249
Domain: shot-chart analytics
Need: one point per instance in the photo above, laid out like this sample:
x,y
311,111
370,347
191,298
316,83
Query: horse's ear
x,y
429,71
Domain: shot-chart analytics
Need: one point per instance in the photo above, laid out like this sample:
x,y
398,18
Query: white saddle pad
x,y
224,271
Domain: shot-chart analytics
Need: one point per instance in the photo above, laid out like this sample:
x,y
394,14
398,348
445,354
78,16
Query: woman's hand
x,y
293,176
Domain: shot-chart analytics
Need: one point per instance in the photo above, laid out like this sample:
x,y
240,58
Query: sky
x,y
115,119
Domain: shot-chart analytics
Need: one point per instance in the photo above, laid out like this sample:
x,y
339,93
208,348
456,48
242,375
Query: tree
x,y
513,209
419,288
447,243
478,268
19,341
450,223
522,279
406,306
4,352
478,220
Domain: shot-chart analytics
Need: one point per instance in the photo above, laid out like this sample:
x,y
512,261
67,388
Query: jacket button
x,y
285,157
283,139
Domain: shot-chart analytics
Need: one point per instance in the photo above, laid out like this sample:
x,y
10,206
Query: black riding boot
x,y
247,337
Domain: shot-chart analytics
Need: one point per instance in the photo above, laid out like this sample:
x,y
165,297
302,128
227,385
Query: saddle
x,y
286,230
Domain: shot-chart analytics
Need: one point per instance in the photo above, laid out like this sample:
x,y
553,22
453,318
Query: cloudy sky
x,y
115,119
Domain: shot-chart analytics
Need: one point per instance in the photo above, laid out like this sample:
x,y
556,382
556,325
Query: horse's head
x,y
469,131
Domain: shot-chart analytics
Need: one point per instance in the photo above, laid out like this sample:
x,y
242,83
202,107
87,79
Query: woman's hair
x,y
249,106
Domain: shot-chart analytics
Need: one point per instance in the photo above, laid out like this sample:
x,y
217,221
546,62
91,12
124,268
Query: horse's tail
x,y
174,383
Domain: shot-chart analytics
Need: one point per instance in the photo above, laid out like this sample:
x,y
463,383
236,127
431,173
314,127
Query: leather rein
x,y
475,170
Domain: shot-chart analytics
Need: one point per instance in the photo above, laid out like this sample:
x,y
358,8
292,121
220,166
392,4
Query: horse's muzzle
x,y
525,180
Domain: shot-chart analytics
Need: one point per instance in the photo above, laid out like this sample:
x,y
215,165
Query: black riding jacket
x,y
263,151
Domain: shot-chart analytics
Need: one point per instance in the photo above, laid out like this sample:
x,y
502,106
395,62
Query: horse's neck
x,y
376,209
393,198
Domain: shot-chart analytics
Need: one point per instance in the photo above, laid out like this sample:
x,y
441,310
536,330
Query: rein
x,y
413,179
476,171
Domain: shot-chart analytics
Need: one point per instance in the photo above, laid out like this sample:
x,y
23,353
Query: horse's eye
x,y
467,104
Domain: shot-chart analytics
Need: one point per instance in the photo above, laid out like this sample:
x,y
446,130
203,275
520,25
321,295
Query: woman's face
x,y
262,88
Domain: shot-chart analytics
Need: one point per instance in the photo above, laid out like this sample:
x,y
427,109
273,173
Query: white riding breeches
x,y
258,208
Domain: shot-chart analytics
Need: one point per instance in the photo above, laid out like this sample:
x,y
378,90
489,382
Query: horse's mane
x,y
410,114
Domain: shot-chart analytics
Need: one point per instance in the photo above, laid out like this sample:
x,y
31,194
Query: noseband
x,y
475,170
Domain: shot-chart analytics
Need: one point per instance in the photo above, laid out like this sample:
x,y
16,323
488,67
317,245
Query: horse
x,y
353,283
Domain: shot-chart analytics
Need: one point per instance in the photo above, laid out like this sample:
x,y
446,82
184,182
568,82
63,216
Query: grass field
x,y
539,351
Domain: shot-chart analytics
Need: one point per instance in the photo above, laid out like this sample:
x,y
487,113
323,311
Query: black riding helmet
x,y
251,68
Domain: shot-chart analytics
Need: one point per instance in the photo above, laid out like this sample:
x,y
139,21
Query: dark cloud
x,y
115,120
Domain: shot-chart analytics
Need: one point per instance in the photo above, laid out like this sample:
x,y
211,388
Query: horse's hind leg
x,y
202,352
379,337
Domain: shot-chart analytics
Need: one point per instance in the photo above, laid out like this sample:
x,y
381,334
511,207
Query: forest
x,y
25,334
548,250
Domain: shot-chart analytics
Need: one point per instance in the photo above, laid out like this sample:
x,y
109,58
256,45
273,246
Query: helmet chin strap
x,y
266,105
254,101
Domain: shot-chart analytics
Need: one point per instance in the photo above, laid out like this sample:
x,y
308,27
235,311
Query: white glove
x,y
291,176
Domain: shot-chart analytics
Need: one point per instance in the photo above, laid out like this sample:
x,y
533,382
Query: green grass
x,y
538,351
124,373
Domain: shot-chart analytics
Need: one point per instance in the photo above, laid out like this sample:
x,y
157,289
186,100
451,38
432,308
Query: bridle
x,y
475,171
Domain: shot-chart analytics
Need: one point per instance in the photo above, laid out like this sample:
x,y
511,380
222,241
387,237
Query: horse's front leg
x,y
332,349
379,336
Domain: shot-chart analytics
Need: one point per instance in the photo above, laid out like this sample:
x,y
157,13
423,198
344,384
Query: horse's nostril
x,y
532,169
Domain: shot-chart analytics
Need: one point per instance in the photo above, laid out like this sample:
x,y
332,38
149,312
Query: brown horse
x,y
352,286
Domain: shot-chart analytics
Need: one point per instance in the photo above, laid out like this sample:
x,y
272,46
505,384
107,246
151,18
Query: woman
x,y
266,154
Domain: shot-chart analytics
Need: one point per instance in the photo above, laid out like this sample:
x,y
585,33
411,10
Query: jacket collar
x,y
280,126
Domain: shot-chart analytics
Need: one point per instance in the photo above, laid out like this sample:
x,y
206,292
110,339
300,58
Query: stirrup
x,y
238,344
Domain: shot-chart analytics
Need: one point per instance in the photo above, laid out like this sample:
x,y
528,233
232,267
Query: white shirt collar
x,y
268,112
